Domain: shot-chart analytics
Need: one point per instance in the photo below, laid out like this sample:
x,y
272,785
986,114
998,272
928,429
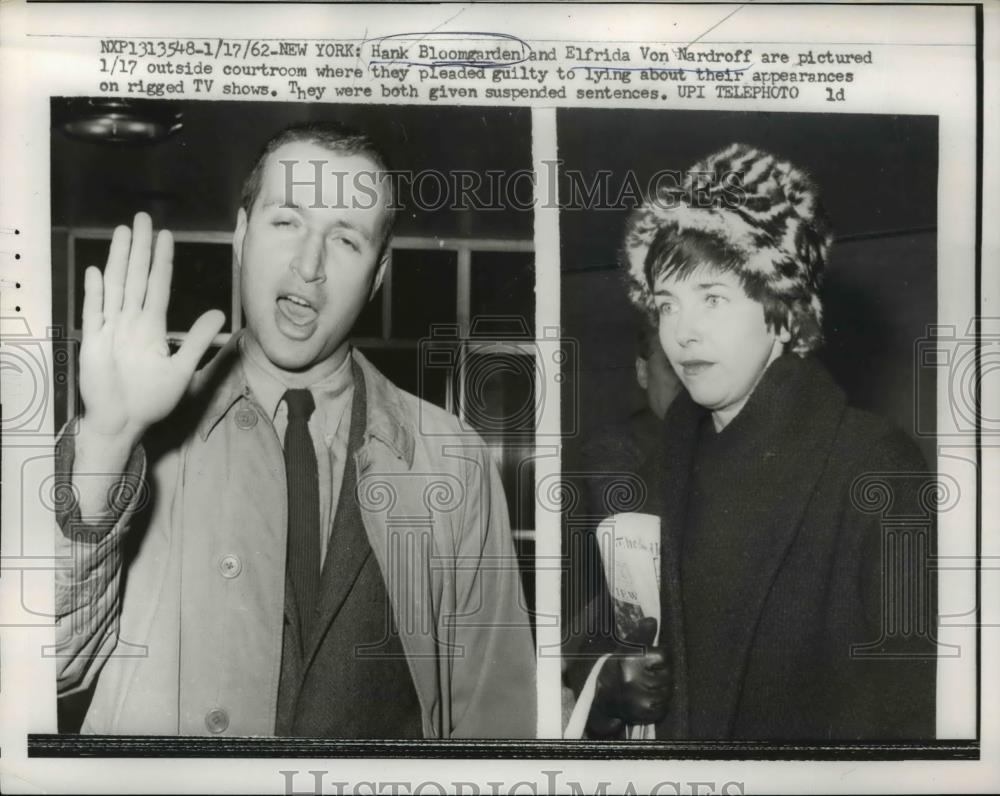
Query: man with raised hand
x,y
283,543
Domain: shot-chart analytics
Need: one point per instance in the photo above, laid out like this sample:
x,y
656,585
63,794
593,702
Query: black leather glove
x,y
634,685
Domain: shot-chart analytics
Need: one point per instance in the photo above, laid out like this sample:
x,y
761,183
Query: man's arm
x,y
128,381
89,545
493,685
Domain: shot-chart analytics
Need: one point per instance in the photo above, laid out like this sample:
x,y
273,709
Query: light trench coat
x,y
177,611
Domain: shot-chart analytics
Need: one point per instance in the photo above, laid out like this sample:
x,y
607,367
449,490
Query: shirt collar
x,y
268,389
224,381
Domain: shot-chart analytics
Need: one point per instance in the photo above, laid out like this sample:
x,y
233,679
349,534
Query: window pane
x,y
404,369
503,284
423,291
202,280
499,389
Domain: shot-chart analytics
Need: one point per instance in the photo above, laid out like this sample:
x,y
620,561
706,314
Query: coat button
x,y
246,418
217,720
230,566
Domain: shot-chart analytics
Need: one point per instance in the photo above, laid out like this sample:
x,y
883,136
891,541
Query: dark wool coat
x,y
827,629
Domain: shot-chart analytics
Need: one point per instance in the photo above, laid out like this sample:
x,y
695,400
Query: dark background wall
x,y
878,178
192,180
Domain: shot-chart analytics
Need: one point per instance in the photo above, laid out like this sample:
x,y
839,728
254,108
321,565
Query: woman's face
x,y
715,337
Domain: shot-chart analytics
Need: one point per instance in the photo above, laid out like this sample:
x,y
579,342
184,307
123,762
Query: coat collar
x,y
792,420
668,486
223,382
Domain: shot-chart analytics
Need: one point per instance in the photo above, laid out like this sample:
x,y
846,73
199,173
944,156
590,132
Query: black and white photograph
x,y
302,516
749,290
483,398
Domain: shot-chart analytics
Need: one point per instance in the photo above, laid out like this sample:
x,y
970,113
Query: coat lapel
x,y
348,549
671,464
790,462
797,434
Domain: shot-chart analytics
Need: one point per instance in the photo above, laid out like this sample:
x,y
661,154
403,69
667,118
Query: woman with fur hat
x,y
793,607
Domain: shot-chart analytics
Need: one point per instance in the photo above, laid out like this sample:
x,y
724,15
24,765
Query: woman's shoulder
x,y
878,442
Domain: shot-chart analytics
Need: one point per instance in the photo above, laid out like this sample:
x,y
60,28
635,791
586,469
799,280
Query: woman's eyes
x,y
710,299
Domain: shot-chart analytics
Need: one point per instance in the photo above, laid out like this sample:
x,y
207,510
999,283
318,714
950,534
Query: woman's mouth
x,y
695,367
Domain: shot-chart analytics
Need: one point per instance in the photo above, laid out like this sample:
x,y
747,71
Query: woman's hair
x,y
742,211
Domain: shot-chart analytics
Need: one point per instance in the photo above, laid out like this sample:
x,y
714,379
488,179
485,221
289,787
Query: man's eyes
x,y
350,243
287,223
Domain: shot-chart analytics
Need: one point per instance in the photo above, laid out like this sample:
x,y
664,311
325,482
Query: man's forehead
x,y
307,151
299,163
300,173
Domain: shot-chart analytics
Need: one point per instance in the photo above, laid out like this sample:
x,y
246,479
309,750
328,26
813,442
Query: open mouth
x,y
695,367
297,310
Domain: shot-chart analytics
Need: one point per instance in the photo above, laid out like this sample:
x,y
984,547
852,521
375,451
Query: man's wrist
x,y
99,464
96,445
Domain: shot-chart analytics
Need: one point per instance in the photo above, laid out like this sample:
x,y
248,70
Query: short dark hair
x,y
334,136
679,254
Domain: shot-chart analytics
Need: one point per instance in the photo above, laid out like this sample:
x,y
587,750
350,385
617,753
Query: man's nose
x,y
308,262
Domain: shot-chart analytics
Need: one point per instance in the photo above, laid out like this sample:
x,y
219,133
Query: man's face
x,y
715,337
657,378
307,271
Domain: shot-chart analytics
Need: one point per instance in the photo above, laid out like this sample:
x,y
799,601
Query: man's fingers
x,y
114,272
158,289
138,262
93,301
199,339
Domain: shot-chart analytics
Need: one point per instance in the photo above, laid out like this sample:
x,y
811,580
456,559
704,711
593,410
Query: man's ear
x,y
238,235
642,372
383,262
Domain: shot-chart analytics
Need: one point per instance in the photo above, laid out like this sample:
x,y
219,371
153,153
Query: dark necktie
x,y
301,472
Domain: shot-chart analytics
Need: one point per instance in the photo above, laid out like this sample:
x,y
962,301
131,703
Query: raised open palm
x,y
128,378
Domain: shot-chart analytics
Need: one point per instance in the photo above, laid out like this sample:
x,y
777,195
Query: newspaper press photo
x,y
499,398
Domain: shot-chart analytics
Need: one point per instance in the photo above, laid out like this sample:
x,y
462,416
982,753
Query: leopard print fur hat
x,y
764,212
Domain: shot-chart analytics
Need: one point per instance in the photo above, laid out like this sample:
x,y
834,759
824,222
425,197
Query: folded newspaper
x,y
630,553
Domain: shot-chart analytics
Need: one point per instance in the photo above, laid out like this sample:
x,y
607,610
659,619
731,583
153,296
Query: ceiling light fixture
x,y
116,121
